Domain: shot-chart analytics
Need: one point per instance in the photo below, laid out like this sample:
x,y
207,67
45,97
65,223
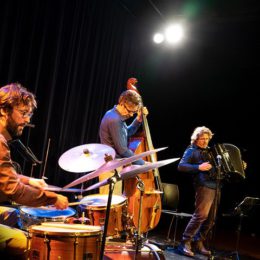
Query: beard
x,y
13,128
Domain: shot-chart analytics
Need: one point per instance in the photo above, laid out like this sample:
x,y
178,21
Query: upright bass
x,y
151,203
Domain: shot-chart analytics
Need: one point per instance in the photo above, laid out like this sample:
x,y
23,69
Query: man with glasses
x,y
195,161
115,132
16,108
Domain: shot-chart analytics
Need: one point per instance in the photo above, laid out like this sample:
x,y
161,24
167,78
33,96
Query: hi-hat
x,y
112,165
58,189
85,158
133,170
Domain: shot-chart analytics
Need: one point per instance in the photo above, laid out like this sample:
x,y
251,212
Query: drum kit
x,y
50,235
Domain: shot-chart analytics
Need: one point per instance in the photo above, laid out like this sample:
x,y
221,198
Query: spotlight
x,y
158,38
174,33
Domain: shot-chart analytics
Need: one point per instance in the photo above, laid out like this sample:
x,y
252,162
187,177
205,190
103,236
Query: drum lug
x,y
76,242
46,239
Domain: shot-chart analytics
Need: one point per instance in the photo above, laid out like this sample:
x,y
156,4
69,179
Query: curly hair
x,y
14,94
200,130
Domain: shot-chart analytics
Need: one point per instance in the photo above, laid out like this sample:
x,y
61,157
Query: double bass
x,y
151,202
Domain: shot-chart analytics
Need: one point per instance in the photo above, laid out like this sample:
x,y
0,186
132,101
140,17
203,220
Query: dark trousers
x,y
203,218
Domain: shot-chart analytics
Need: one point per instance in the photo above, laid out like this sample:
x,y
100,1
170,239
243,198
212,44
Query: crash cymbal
x,y
112,165
85,158
133,170
58,189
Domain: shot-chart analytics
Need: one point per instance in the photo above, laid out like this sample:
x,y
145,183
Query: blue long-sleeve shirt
x,y
115,132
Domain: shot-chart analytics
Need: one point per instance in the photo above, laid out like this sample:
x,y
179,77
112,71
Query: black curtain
x,y
76,57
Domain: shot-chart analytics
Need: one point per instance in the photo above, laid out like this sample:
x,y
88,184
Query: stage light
x,y
174,33
158,38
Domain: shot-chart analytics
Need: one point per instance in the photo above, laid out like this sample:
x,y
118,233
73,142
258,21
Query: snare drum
x,y
33,216
95,208
64,241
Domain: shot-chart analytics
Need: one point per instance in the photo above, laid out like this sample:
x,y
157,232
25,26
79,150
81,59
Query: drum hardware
x,y
112,181
111,165
128,172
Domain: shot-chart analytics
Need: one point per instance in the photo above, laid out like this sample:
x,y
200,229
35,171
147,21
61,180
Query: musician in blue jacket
x,y
195,161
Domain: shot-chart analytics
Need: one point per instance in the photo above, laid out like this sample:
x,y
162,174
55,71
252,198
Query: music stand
x,y
242,210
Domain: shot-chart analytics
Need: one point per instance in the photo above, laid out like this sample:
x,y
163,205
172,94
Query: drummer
x,y
115,132
16,109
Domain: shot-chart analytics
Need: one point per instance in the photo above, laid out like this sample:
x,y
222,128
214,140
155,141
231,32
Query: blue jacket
x,y
192,158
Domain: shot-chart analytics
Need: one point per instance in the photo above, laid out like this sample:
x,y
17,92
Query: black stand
x,y
112,182
217,195
138,236
139,239
242,210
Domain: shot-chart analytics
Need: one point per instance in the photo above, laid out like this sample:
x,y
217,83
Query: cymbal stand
x,y
138,237
112,181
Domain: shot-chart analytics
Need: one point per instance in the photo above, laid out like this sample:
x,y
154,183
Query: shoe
x,y
185,249
200,248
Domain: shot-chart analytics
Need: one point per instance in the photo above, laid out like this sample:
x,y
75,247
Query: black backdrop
x,y
76,56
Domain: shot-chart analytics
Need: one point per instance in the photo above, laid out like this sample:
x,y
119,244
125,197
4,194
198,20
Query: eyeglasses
x,y
24,113
130,111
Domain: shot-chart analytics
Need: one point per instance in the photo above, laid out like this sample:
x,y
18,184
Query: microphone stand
x,y
217,197
112,181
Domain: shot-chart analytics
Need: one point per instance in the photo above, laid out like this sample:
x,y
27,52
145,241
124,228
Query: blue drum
x,y
34,216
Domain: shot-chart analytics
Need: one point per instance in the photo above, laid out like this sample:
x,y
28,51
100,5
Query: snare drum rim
x,y
96,207
24,210
46,233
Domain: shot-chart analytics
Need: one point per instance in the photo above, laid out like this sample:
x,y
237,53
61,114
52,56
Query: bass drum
x,y
33,216
64,241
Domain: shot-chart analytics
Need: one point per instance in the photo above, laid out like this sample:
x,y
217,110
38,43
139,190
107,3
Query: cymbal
x,y
133,170
58,189
112,165
85,158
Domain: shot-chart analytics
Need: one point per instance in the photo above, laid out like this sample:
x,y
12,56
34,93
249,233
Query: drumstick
x,y
80,202
71,226
75,203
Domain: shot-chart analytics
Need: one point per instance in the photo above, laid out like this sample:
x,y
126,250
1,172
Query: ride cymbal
x,y
112,165
85,158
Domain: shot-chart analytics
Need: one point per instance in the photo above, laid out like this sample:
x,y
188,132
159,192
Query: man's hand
x,y
141,112
206,166
38,183
244,164
62,202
